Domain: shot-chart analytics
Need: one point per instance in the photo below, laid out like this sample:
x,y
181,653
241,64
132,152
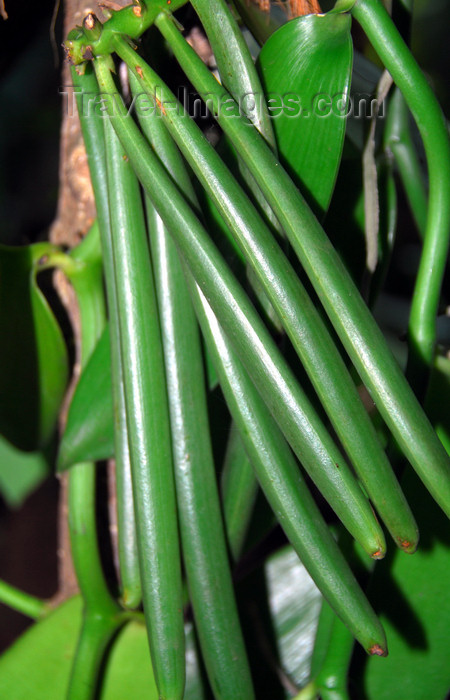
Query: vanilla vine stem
x,y
407,75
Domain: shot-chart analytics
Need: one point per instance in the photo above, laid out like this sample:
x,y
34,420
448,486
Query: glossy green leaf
x,y
128,671
307,90
38,664
89,433
46,651
412,596
20,473
33,355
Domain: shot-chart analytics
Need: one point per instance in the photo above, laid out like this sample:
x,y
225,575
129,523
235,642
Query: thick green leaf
x,y
89,433
307,90
38,664
412,597
33,355
20,473
128,669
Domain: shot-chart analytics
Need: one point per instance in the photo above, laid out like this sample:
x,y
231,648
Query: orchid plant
x,y
217,267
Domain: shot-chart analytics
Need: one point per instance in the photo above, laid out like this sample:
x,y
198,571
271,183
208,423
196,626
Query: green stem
x,y
420,99
88,286
95,636
397,138
86,279
83,540
22,602
332,678
83,268
132,20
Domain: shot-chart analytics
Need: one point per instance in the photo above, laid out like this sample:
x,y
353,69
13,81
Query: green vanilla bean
x,y
130,578
285,490
148,422
275,466
204,548
239,489
358,331
89,252
203,540
290,300
333,644
239,485
270,372
238,73
92,129
236,67
394,53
